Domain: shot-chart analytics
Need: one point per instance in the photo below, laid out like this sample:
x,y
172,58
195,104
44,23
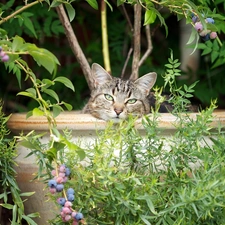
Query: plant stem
x,y
105,45
19,11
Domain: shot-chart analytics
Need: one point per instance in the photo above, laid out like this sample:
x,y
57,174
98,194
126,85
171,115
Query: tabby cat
x,y
114,99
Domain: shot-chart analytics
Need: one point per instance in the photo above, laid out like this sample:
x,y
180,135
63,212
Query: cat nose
x,y
118,111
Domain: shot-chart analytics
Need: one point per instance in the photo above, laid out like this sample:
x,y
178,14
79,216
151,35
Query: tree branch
x,y
136,41
126,62
150,47
72,39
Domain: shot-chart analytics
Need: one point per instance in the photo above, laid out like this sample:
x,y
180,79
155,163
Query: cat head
x,y
113,98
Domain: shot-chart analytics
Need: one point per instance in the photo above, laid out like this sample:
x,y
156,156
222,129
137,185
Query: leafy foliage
x,y
175,179
8,184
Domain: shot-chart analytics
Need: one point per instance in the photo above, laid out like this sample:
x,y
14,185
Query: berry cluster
x,y
205,34
4,57
57,185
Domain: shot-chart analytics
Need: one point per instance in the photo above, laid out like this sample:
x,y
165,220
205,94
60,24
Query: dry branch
x,y
136,41
72,39
150,47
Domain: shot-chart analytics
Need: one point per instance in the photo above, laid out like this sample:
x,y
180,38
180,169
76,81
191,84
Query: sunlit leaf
x,y
93,4
65,81
70,11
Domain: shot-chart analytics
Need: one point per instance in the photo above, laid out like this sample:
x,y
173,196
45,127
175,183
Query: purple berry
x,y
194,19
66,210
79,216
70,197
52,183
59,187
213,35
198,26
2,53
62,168
70,191
52,190
62,174
210,20
5,58
68,204
61,201
53,172
67,172
67,218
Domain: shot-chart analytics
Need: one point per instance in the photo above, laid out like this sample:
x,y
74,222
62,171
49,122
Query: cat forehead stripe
x,y
123,86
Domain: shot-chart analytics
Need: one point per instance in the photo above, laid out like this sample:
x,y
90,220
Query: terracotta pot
x,y
84,127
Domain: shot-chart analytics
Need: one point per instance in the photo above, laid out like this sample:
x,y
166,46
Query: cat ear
x,y
146,82
100,75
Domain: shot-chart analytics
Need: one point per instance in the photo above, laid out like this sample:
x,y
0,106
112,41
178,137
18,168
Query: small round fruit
x,y
5,58
59,187
79,216
213,35
198,26
210,20
70,191
70,197
52,183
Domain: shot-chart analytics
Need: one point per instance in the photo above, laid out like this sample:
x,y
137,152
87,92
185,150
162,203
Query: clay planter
x,y
83,127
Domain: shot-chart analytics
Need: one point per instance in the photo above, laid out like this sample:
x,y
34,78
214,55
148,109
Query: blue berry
x,y
67,172
210,20
61,201
70,191
194,19
70,197
52,184
206,37
59,187
79,216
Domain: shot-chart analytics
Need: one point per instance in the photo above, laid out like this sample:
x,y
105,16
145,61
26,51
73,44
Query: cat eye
x,y
108,97
132,101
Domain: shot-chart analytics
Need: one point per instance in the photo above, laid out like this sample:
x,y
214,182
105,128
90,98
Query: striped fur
x,y
113,98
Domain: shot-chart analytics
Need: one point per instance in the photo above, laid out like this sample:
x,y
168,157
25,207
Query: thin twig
x,y
150,47
72,39
127,18
20,10
136,41
126,62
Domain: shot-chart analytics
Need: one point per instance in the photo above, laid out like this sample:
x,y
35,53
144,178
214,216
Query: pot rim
x,y
74,120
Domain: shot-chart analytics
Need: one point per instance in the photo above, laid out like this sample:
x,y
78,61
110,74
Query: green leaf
x,y
27,193
150,17
66,82
71,11
27,94
33,215
7,206
17,43
52,94
56,110
93,4
28,23
37,112
206,51
29,220
44,58
68,106
214,56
